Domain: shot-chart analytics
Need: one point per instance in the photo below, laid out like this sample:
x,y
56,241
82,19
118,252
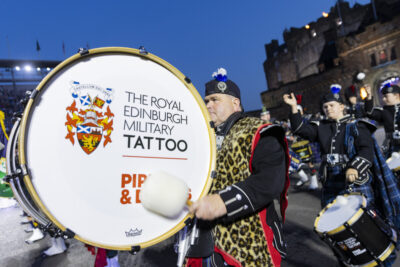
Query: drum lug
x,y
188,221
188,80
213,174
26,98
83,51
212,125
68,234
142,50
134,250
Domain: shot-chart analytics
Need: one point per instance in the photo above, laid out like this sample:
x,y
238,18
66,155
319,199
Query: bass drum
x,y
93,130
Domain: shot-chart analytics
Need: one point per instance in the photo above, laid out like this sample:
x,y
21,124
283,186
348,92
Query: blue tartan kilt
x,y
335,184
316,153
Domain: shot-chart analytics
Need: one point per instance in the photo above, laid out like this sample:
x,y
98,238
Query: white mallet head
x,y
164,194
341,200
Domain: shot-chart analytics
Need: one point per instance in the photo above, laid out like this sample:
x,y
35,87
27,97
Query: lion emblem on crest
x,y
89,117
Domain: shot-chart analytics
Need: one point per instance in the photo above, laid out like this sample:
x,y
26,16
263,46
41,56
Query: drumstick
x,y
164,194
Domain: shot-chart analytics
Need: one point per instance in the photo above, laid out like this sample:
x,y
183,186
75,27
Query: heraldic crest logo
x,y
89,117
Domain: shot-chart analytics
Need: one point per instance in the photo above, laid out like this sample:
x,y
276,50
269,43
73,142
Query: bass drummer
x,y
251,171
347,157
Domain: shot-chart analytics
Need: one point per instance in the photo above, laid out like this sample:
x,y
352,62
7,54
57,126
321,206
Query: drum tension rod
x,y
16,116
134,250
47,228
372,254
68,234
12,176
26,98
83,51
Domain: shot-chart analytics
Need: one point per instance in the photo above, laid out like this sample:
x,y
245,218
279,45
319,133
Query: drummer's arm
x,y
365,153
262,186
308,131
374,113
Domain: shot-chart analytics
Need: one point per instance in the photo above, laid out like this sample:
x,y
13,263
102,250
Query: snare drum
x,y
303,149
358,235
93,130
295,162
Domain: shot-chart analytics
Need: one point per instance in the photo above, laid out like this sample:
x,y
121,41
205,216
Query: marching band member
x,y
349,157
355,109
389,116
251,171
265,115
337,168
307,173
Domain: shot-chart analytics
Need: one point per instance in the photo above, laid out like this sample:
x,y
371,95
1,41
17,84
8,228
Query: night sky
x,y
196,37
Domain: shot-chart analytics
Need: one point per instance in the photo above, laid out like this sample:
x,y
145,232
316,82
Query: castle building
x,y
333,50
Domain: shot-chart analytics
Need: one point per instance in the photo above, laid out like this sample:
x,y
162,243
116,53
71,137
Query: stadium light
x,y
28,68
48,69
38,69
307,26
17,68
325,15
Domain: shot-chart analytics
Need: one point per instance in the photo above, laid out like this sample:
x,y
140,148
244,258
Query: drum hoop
x,y
384,255
300,143
128,51
350,221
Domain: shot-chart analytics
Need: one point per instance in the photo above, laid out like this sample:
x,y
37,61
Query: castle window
x,y
393,55
382,57
373,60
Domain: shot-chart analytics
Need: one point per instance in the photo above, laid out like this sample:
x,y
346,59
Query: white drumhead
x,y
100,125
339,211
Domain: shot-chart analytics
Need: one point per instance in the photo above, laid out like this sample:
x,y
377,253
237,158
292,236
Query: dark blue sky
x,y
196,37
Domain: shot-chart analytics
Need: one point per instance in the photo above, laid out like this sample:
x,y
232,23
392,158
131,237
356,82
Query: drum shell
x,y
17,183
303,149
358,240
